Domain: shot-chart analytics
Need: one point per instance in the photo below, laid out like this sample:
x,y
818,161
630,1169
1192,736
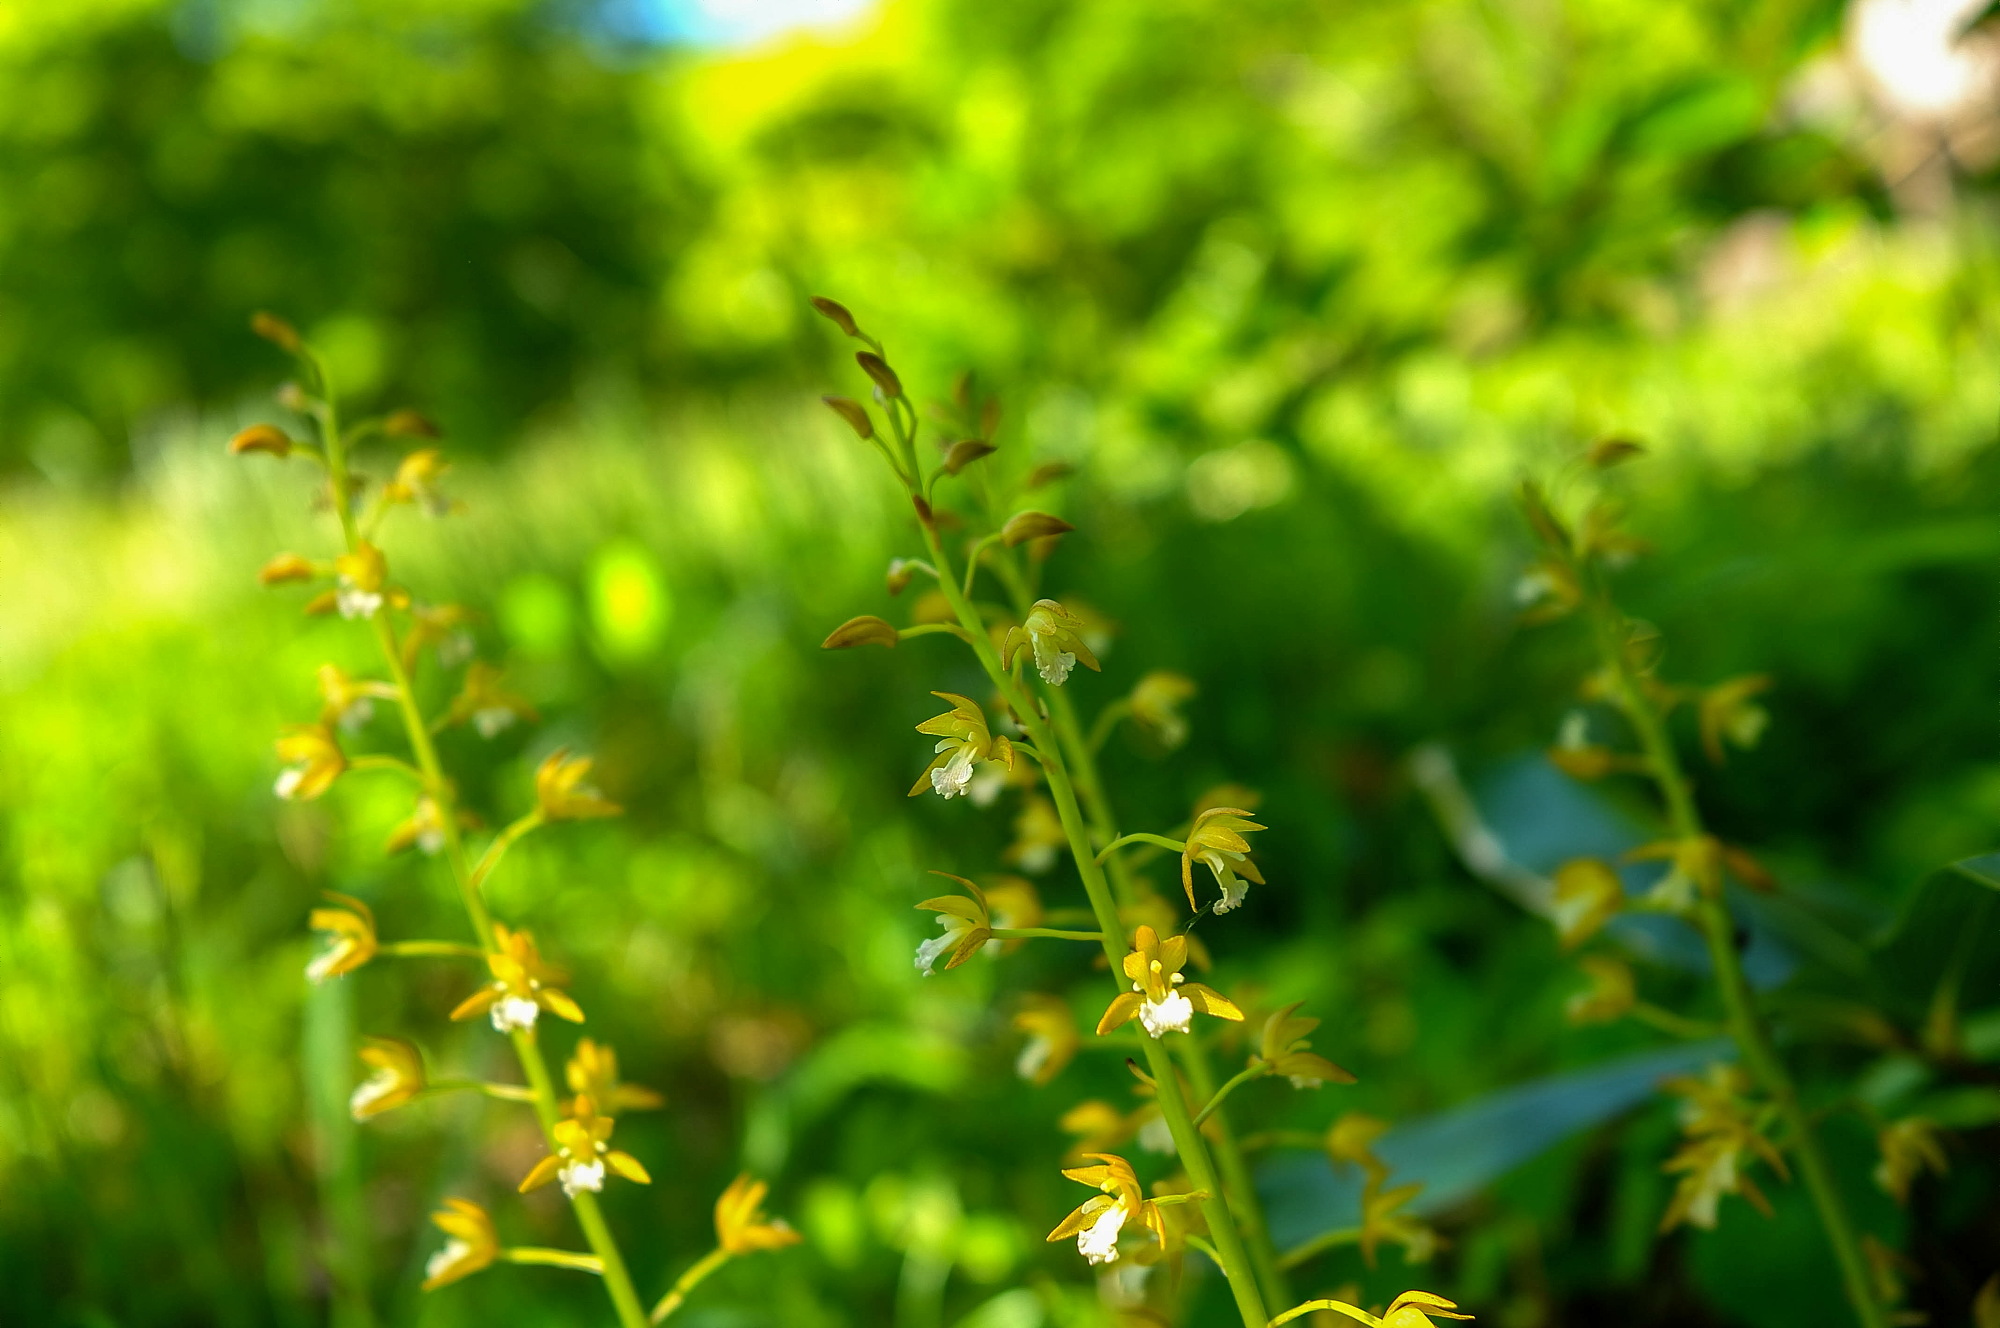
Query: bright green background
x,y
1301,289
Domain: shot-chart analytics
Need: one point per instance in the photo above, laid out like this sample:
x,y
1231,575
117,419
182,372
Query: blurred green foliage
x,y
1300,289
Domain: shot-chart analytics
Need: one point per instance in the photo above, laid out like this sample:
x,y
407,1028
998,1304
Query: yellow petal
x,y
627,1166
544,1172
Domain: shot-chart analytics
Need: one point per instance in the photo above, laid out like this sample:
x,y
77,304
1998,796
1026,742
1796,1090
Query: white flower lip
x,y
512,1012
581,1176
454,1250
1171,1015
1098,1242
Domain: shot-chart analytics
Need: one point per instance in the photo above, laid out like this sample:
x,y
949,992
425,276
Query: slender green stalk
x,y
1046,933
1231,1256
430,949
688,1281
547,1258
1140,837
1718,929
616,1280
1215,1096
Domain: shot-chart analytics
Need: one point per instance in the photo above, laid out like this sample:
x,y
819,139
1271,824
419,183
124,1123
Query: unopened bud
x,y
276,331
1026,526
900,572
836,313
865,630
854,413
287,567
1049,472
262,438
964,452
322,604
293,397
410,424
878,369
1608,452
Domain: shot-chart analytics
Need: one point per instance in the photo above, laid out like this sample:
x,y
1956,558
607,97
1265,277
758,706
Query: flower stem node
x,y
1051,633
398,1077
1216,841
963,740
313,760
522,987
862,631
562,794
351,930
967,925
471,1243
1161,999
583,1154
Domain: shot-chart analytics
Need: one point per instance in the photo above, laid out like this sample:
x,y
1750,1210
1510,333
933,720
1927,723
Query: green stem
x,y
617,1281
1257,1071
1718,929
1337,1306
1050,933
687,1282
536,1254
1674,1025
1318,1245
1231,1255
387,763
1229,1155
1140,837
414,949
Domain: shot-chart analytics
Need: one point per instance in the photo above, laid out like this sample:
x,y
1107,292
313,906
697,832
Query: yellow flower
x,y
1284,1048
1610,996
423,828
1729,716
1052,635
1909,1147
1052,1038
1697,867
350,702
740,1225
1156,705
963,740
1720,1132
1039,837
1416,1309
1382,1221
1098,1127
583,1154
1216,840
362,575
1588,894
351,929
1097,1222
398,1077
443,626
967,926
313,760
561,792
416,482
592,1073
1160,998
522,987
485,704
471,1244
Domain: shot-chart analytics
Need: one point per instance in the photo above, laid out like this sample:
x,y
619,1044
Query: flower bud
x,y
836,313
854,413
276,331
293,397
964,452
900,572
1025,526
1608,452
286,567
1049,472
410,424
262,438
861,631
878,369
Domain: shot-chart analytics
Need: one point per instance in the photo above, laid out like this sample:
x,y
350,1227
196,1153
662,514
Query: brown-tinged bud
x,y
327,601
410,424
1025,526
865,630
287,567
293,397
836,313
854,413
1542,519
276,331
964,452
878,369
262,438
961,390
1608,452
1049,472
900,572
924,512
989,417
